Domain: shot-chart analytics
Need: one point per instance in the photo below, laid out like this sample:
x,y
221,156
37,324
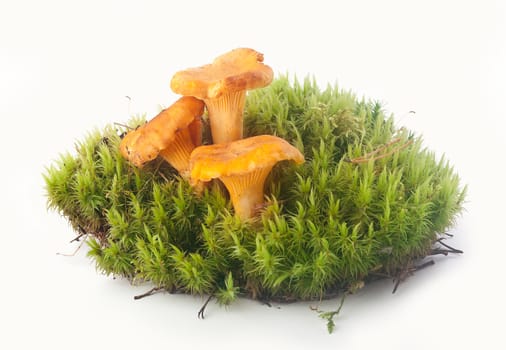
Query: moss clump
x,y
368,200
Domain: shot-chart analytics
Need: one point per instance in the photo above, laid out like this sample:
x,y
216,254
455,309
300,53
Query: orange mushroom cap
x,y
242,166
237,70
222,85
172,133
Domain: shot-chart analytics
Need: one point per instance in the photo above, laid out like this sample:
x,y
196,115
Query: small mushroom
x,y
172,134
222,85
242,166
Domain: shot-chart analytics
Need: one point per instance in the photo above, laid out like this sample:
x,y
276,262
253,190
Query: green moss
x,y
369,199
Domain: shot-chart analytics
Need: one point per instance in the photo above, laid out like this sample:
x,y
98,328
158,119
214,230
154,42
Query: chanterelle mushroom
x,y
222,85
242,166
173,134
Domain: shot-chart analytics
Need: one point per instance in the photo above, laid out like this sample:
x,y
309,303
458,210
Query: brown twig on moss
x,y
200,314
81,235
381,148
85,235
451,249
445,252
408,271
370,156
148,293
124,126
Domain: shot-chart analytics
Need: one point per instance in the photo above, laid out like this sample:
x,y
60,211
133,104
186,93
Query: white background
x,y
66,67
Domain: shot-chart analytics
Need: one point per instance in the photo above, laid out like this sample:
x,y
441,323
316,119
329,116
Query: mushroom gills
x,y
247,191
227,116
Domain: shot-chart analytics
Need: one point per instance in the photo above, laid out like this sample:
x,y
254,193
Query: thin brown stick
x,y
78,237
200,314
445,252
162,175
452,250
379,149
124,126
408,271
78,247
148,293
367,157
380,275
401,277
424,265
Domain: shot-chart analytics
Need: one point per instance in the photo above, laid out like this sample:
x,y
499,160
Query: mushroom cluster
x,y
176,133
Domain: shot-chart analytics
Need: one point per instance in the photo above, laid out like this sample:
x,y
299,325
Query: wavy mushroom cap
x,y
240,157
145,143
239,69
242,166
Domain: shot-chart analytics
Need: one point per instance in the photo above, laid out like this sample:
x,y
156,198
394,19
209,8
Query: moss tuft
x,y
369,200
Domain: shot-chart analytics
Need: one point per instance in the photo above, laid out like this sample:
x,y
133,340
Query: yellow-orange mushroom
x,y
222,86
172,134
243,167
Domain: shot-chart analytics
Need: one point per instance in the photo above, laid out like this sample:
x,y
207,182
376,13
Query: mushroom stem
x,y
178,154
247,191
226,116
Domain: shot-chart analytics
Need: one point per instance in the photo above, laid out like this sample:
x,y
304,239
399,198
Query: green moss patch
x,y
369,201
